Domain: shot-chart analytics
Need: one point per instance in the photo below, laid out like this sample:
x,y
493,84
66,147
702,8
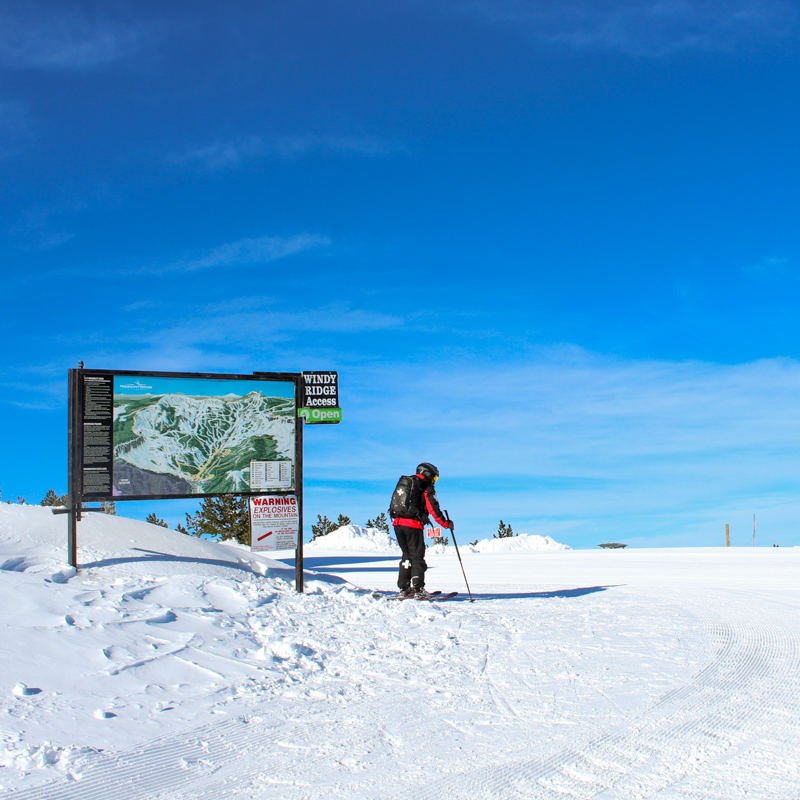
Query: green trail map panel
x,y
178,436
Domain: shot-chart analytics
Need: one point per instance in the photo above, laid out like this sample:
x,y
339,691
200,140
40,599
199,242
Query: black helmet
x,y
427,471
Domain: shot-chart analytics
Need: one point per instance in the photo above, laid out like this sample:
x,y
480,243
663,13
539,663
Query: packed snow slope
x,y
169,667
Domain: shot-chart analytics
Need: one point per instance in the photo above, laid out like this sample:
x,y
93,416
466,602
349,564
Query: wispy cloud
x,y
233,323
771,268
236,152
646,27
238,335
57,35
47,240
573,442
243,252
43,395
246,251
143,305
16,127
42,227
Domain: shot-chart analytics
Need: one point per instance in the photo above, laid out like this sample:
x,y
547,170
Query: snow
x,y
519,544
374,540
354,537
170,667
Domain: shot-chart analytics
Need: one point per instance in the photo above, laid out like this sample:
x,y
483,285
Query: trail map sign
x,y
274,523
161,435
150,435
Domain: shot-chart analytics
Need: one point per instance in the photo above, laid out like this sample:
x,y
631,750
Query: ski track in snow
x,y
737,716
173,669
735,711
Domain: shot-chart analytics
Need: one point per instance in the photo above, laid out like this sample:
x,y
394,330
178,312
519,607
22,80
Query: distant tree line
x,y
503,531
324,526
226,518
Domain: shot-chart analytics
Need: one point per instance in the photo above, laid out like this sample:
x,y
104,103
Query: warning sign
x,y
274,522
433,533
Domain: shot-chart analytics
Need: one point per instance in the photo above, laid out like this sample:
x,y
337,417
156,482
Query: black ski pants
x,y
412,564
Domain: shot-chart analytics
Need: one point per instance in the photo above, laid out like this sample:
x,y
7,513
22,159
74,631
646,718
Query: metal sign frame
x,y
75,456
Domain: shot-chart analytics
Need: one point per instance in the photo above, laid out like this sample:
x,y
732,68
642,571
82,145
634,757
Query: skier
x,y
413,503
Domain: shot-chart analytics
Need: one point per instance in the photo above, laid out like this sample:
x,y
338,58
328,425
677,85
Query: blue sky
x,y
199,387
550,246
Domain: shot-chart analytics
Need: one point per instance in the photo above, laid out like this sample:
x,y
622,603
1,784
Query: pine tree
x,y
181,529
343,520
221,518
380,522
154,519
323,527
108,507
21,501
503,531
52,499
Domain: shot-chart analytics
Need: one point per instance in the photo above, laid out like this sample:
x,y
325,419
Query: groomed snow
x,y
169,667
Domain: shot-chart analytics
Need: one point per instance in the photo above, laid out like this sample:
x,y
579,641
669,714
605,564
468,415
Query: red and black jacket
x,y
426,507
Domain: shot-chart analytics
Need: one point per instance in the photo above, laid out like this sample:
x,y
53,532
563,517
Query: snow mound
x,y
524,543
33,541
354,537
373,540
153,621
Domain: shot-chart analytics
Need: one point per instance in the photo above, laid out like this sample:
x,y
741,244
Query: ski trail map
x,y
172,437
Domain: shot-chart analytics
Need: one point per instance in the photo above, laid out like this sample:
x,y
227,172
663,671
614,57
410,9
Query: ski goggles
x,y
435,478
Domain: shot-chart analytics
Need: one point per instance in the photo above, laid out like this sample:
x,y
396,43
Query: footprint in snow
x,y
283,651
116,653
62,576
21,690
101,714
77,621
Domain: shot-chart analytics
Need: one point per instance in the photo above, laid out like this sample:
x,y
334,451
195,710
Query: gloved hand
x,y
451,525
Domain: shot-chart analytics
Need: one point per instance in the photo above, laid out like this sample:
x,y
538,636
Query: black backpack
x,y
407,499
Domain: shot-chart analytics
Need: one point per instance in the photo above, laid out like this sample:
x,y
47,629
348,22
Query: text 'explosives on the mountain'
x,y
274,522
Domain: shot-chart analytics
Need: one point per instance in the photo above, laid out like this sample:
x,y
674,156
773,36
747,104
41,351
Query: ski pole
x,y
447,517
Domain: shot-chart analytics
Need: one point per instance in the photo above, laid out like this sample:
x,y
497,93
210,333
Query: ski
x,y
431,596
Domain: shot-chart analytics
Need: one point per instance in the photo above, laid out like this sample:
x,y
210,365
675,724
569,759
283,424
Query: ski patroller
x,y
434,596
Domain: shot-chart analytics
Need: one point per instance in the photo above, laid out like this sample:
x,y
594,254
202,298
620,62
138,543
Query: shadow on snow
x,y
564,594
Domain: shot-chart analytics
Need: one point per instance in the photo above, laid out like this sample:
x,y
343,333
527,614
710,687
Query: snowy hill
x,y
172,668
354,537
523,543
157,632
373,540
